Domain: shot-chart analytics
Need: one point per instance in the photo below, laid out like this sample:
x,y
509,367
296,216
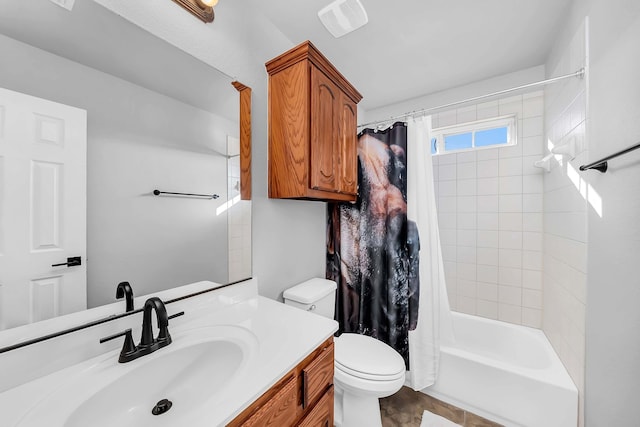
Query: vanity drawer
x,y
317,376
277,411
322,414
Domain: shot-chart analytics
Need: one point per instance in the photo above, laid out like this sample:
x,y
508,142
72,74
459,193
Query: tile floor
x,y
404,409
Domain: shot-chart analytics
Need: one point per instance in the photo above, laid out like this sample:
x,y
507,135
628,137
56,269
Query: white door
x,y
42,208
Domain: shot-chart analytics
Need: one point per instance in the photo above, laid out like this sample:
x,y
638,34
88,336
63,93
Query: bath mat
x,y
432,420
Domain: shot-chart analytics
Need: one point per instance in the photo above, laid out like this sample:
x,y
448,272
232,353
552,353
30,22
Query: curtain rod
x,y
579,74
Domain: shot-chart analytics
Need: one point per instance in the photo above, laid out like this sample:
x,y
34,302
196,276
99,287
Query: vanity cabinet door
x,y
277,411
322,414
317,376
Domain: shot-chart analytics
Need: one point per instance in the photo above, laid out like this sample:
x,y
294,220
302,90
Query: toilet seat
x,y
367,358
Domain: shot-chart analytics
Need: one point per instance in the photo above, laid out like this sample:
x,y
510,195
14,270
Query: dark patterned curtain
x,y
372,249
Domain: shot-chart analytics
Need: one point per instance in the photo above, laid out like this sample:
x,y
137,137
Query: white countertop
x,y
285,335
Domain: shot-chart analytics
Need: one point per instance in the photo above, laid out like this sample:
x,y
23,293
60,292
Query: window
x,y
497,132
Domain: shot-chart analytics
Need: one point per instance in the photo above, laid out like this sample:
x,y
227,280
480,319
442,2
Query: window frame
x,y
509,121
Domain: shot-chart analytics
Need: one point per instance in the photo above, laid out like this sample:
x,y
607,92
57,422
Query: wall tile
x,y
532,279
533,146
466,204
487,239
466,170
510,221
466,254
491,235
487,110
447,204
446,171
532,260
532,126
509,295
532,184
488,186
467,187
532,317
511,185
487,221
487,309
510,276
447,188
511,258
466,238
466,221
532,203
488,154
487,256
487,168
487,203
532,222
487,274
533,106
510,313
510,203
510,166
467,156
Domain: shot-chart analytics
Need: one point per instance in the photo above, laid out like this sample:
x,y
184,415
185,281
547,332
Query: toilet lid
x,y
367,357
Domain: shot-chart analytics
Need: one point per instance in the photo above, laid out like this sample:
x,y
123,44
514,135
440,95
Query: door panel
x,y
348,146
42,208
324,132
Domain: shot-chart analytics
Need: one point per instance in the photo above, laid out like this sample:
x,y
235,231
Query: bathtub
x,y
506,373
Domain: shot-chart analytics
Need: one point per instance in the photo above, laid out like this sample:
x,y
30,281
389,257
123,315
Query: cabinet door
x,y
348,149
325,136
322,414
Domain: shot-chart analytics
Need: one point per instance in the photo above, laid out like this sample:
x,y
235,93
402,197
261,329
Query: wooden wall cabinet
x,y
312,128
303,397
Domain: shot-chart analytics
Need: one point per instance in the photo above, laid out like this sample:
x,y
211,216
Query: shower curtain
x,y
434,322
390,275
373,248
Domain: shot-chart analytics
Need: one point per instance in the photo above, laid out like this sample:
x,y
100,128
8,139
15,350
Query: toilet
x,y
365,368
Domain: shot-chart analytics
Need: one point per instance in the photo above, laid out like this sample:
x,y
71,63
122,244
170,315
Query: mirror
x,y
156,119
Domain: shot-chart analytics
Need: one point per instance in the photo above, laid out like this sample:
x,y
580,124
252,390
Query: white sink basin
x,y
192,372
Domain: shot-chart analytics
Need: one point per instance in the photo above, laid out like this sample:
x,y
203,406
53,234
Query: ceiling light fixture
x,y
202,9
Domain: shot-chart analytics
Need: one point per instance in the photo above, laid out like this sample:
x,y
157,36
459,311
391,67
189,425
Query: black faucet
x,y
148,344
147,339
125,291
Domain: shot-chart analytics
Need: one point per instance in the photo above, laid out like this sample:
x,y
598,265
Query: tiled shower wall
x,y
566,196
490,212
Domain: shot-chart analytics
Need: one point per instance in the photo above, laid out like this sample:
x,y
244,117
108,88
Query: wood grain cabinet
x,y
312,128
303,397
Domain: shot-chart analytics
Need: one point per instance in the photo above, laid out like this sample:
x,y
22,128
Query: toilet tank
x,y
315,295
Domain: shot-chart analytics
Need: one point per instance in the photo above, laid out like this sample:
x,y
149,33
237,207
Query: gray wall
x,y
137,140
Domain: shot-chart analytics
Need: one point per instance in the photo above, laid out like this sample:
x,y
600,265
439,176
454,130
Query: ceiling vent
x,y
67,4
343,16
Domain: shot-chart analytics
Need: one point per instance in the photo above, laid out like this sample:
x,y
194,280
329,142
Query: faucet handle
x,y
128,348
164,338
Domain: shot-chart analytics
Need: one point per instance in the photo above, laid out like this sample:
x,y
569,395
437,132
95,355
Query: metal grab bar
x,y
208,196
601,165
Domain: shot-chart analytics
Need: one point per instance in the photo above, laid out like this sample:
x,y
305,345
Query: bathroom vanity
x,y
303,397
236,359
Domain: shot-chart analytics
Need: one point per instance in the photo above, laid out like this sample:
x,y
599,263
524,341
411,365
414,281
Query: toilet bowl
x,y
365,368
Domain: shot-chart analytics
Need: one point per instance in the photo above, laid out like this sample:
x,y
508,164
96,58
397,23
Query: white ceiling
x,y
408,49
411,48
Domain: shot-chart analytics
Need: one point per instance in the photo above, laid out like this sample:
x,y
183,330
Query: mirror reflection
x,y
96,114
